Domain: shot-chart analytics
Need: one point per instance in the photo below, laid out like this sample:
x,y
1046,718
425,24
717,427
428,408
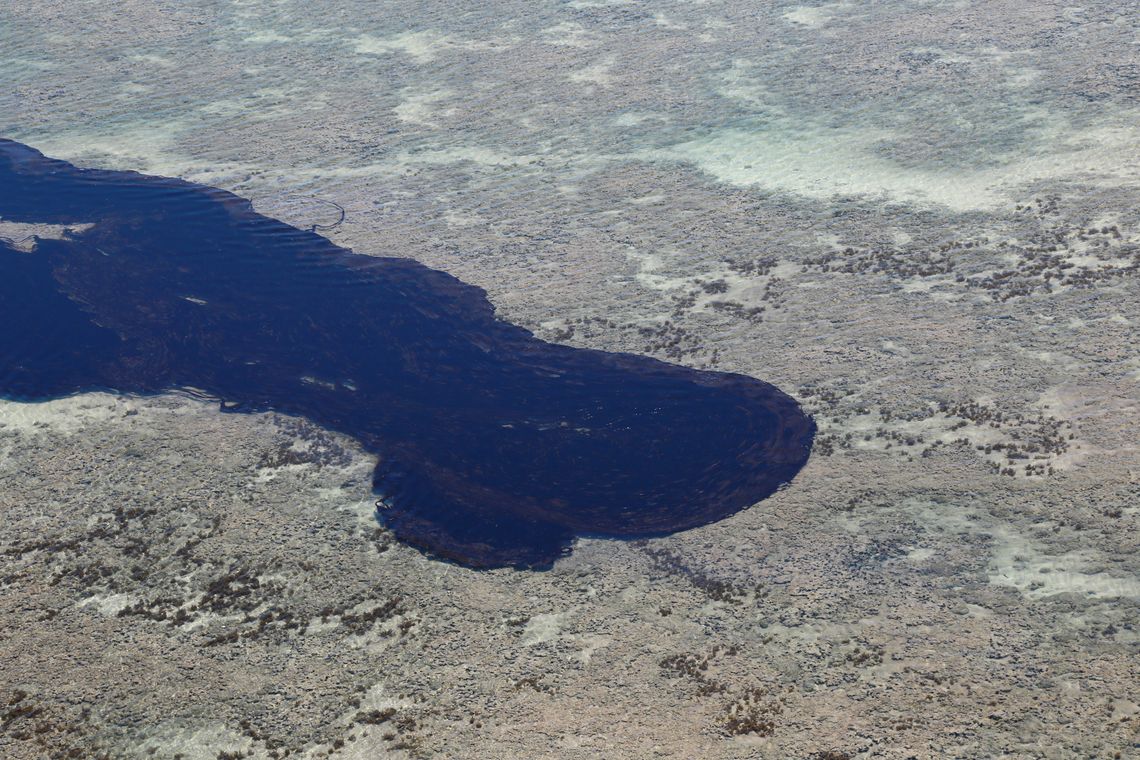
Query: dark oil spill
x,y
495,448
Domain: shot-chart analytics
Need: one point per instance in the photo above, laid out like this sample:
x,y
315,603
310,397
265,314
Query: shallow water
x,y
496,447
920,218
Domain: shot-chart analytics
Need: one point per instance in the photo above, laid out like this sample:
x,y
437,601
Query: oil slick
x,y
496,448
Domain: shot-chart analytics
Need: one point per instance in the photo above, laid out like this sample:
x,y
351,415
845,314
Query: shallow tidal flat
x,y
920,219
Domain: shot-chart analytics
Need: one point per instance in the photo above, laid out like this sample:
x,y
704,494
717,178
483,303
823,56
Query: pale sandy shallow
x,y
919,218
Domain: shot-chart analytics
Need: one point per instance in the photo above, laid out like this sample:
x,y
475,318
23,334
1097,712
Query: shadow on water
x,y
496,448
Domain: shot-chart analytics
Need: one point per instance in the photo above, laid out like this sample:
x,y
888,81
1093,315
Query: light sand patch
x,y
1122,709
1015,560
922,286
589,645
541,629
548,628
421,47
109,604
266,37
421,107
133,89
152,59
708,287
1095,406
64,416
649,200
632,119
1019,562
145,148
150,149
567,34
266,104
815,16
824,162
741,83
346,500
598,74
648,265
1133,369
460,219
378,698
920,554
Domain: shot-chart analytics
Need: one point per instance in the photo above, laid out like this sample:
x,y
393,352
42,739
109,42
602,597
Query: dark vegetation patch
x,y
695,668
1047,255
743,711
716,589
666,339
302,443
1029,443
48,729
753,712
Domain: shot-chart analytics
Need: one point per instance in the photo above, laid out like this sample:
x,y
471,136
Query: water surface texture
x,y
496,448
